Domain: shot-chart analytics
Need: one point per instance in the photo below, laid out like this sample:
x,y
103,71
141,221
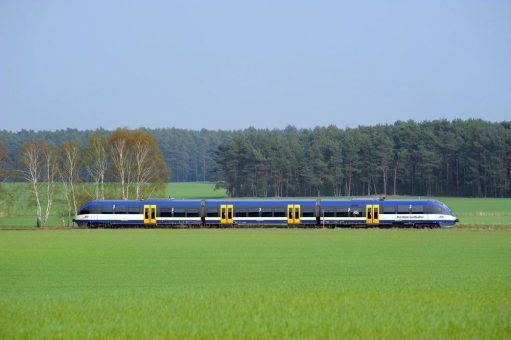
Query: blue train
x,y
239,212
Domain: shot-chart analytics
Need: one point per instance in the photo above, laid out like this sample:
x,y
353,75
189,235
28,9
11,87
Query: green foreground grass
x,y
255,283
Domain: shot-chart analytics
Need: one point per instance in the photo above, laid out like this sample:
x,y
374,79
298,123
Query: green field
x,y
264,283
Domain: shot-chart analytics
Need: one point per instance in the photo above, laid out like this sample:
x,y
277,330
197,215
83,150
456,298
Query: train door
x,y
230,213
372,214
293,213
149,214
226,214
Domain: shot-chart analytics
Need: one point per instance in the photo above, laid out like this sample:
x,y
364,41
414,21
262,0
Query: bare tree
x,y
119,143
69,172
149,166
96,159
39,161
32,159
50,163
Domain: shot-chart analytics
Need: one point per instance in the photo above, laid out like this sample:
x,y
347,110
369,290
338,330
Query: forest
x,y
430,158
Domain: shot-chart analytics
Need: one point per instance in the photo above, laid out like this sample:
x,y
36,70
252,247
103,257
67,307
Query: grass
x,y
194,190
480,211
255,283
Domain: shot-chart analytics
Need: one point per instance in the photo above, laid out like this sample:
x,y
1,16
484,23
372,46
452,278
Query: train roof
x,y
242,202
148,201
249,202
380,201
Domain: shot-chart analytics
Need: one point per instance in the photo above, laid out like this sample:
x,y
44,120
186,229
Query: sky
x,y
267,64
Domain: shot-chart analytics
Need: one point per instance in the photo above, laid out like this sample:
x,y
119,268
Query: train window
x,y
95,209
107,209
266,212
240,212
375,212
253,212
388,209
329,212
403,209
417,209
343,212
358,211
280,212
165,212
134,210
179,212
120,209
212,212
433,209
192,212
308,212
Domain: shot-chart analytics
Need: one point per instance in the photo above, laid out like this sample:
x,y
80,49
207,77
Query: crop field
x,y
259,283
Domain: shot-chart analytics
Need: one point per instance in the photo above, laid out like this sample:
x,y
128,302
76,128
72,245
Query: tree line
x,y
431,158
455,158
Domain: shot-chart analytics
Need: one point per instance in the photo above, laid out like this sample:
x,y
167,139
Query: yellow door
x,y
226,214
297,214
290,214
230,213
369,214
223,214
293,213
149,214
373,214
376,214
153,214
147,219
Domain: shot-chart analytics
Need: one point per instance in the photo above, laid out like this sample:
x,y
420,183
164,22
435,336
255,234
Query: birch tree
x,y
96,160
149,166
49,155
119,146
32,160
69,172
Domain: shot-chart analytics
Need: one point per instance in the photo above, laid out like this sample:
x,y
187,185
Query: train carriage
x,y
260,212
378,212
140,213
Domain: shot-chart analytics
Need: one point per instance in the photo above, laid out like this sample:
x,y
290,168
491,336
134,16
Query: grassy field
x,y
18,209
255,283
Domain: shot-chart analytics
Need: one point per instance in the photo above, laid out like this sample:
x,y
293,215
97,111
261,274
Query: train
x,y
363,212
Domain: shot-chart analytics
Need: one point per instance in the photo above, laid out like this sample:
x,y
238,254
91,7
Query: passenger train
x,y
239,212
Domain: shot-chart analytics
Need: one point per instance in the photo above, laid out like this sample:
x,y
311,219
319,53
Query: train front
x,y
446,218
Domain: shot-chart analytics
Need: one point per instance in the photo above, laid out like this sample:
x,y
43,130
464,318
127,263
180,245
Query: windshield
x,y
446,210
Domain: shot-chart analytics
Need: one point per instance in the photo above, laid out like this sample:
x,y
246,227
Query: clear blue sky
x,y
234,64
